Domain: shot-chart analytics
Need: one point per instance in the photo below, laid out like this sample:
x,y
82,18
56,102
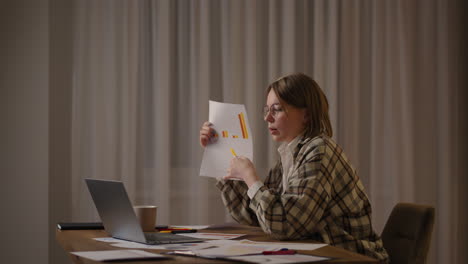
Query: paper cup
x,y
146,214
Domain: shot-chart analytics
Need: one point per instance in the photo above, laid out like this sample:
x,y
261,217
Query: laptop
x,y
119,219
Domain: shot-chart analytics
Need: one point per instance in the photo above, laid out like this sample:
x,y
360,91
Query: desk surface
x,y
82,240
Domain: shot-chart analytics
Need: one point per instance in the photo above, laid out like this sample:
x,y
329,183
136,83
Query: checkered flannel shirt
x,y
325,201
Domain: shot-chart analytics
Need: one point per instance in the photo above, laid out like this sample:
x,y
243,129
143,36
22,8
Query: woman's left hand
x,y
242,168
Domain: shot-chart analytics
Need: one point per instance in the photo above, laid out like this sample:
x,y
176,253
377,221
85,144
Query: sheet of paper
x,y
221,242
224,248
107,255
293,245
212,235
108,239
234,249
245,249
183,246
198,227
129,244
233,131
276,259
126,244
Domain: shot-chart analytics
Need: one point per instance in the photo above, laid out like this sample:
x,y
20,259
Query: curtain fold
x,y
143,73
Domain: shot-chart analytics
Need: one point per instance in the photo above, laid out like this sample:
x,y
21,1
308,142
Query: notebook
x,y
119,219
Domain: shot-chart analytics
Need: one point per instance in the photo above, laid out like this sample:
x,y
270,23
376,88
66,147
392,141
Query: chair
x,y
407,233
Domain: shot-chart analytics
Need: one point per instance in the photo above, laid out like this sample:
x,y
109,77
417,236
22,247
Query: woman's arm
x,y
296,213
236,200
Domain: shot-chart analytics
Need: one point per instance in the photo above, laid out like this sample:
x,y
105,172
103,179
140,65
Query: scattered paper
x,y
108,255
197,227
212,235
221,245
108,239
276,259
221,242
295,246
251,251
238,248
188,246
233,137
129,244
230,248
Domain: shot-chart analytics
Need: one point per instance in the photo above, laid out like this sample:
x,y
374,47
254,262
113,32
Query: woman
x,y
312,192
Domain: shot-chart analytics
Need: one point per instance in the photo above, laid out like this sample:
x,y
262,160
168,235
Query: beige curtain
x,y
145,70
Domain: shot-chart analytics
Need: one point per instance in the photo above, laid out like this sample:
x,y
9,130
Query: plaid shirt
x,y
325,201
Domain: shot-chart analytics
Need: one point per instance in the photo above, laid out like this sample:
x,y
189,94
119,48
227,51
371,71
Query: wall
x,y
24,131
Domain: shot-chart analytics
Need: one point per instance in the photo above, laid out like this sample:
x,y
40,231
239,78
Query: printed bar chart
x,y
245,134
232,129
243,128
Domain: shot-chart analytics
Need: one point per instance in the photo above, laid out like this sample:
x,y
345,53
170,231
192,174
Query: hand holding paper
x,y
207,134
231,123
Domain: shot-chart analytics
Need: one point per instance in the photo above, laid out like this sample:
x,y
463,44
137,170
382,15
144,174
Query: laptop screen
x,y
115,209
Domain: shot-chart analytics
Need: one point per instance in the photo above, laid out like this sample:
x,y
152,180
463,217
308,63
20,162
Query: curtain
x,y
143,72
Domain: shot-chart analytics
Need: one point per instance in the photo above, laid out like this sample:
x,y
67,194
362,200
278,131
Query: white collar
x,y
291,146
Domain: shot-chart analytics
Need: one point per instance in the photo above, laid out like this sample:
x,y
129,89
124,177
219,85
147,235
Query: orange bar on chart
x,y
245,134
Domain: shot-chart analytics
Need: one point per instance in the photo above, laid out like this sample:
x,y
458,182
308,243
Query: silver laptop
x,y
119,219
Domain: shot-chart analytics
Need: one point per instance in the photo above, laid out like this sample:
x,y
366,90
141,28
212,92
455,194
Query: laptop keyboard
x,y
165,238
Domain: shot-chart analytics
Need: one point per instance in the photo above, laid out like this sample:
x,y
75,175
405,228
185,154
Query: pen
x,y
233,152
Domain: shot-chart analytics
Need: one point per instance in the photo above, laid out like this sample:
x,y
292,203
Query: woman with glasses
x,y
312,192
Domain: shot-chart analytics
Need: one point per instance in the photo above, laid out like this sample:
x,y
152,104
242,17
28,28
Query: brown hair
x,y
301,91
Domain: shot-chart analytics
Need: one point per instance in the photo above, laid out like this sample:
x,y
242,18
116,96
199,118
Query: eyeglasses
x,y
274,109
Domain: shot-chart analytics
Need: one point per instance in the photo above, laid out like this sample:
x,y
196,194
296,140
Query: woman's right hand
x,y
207,134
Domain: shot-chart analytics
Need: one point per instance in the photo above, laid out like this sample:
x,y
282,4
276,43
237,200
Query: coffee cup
x,y
146,214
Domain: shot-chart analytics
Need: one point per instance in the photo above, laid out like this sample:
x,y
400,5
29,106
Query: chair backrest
x,y
407,233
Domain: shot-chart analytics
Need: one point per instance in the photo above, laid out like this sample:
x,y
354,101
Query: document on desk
x,y
111,255
251,251
289,245
228,248
220,236
197,227
129,244
233,138
277,259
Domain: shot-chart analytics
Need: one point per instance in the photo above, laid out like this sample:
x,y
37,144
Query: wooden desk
x,y
82,240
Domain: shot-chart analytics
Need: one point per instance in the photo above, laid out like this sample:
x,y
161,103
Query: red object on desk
x,y
279,252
